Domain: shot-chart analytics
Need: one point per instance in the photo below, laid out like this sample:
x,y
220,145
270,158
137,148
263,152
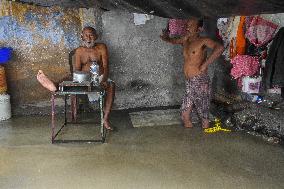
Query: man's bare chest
x,y
193,48
90,56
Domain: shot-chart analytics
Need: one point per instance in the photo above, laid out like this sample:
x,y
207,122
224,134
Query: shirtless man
x,y
84,55
195,70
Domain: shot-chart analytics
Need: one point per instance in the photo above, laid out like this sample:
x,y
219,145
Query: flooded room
x,y
149,94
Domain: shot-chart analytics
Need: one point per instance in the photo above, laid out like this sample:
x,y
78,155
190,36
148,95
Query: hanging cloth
x,y
240,39
274,66
260,31
177,27
228,31
244,65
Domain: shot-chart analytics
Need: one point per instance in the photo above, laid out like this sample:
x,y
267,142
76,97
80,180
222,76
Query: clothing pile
x,y
246,40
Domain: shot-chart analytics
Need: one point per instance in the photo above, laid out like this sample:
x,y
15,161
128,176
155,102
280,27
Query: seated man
x,y
84,55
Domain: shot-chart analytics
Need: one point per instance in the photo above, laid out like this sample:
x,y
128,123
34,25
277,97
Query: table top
x,y
75,92
70,87
74,84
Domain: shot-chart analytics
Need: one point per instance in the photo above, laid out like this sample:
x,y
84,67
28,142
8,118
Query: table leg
x,y
65,109
74,108
52,118
102,116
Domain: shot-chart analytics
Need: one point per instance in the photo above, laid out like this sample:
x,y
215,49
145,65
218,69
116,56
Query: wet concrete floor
x,y
167,157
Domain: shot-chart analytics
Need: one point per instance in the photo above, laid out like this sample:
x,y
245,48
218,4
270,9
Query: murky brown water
x,y
153,157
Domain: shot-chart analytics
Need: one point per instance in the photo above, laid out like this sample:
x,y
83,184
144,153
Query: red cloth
x,y
177,27
260,31
244,65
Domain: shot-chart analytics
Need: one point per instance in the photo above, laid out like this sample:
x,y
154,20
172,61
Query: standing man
x,y
84,56
195,70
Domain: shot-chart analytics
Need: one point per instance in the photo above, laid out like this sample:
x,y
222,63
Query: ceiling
x,y
176,8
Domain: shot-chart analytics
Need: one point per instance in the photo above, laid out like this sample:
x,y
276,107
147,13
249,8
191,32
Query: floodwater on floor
x,y
158,157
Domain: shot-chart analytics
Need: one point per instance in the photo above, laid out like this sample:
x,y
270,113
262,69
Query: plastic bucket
x,y
5,54
5,107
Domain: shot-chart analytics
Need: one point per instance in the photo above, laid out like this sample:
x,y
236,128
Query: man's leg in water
x,y
202,102
187,105
186,117
45,82
205,106
202,106
110,93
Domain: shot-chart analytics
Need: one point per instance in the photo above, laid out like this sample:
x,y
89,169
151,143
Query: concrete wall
x,y
147,71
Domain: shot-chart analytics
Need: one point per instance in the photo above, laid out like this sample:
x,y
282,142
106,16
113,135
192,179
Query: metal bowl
x,y
79,76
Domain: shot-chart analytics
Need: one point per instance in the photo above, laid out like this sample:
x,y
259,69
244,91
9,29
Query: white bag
x,y
251,84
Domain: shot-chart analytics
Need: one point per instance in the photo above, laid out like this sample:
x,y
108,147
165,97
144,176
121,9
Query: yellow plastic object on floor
x,y
217,127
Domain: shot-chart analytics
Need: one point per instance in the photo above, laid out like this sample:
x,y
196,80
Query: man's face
x,y
192,26
88,37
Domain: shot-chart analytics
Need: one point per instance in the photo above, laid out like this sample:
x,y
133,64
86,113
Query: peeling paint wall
x,y
41,39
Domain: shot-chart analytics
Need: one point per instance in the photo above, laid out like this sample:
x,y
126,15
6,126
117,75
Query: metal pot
x,y
79,76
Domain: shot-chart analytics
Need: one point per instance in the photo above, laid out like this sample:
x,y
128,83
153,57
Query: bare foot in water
x,y
187,124
45,82
205,124
107,125
186,120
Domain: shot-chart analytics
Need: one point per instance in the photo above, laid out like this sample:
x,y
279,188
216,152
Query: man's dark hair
x,y
90,28
200,23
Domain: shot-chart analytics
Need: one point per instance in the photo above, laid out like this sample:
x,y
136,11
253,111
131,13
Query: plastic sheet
x,y
177,9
